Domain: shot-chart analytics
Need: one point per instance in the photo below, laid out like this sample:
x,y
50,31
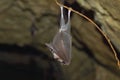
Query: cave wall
x,y
26,25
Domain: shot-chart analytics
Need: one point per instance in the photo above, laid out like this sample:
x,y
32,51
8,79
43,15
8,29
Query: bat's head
x,y
56,55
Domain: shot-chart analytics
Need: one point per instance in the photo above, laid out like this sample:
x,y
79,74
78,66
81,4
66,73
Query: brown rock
x,y
33,23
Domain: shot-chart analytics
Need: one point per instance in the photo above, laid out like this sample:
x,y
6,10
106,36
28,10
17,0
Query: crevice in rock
x,y
76,6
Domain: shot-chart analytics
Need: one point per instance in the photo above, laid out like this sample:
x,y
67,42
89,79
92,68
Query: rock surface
x,y
26,25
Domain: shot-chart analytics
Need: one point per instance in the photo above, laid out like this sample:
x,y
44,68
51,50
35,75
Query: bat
x,y
60,47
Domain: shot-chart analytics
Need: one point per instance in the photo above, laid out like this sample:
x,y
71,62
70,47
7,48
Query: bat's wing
x,y
62,45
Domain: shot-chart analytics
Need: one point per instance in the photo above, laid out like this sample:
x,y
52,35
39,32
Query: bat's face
x,y
56,55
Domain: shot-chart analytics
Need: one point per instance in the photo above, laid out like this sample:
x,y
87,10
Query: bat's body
x,y
61,45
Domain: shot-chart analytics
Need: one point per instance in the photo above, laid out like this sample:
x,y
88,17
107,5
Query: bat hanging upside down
x,y
61,44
